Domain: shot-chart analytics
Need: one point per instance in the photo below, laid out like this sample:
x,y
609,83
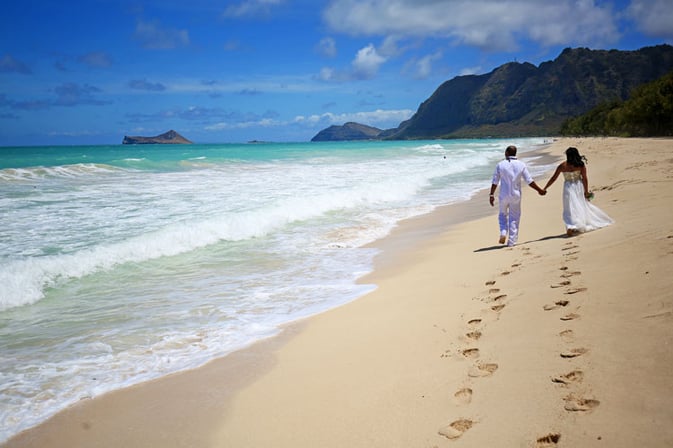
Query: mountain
x,y
520,99
349,131
170,137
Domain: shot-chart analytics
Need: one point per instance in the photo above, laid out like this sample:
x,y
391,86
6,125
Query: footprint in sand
x,y
570,247
570,316
473,322
490,282
662,315
576,376
482,370
548,441
516,265
574,353
561,284
470,353
498,308
493,290
575,290
555,305
570,274
505,273
474,335
575,404
563,268
491,299
456,429
568,254
567,335
463,396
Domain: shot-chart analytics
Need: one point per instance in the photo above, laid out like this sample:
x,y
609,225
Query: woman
x,y
579,215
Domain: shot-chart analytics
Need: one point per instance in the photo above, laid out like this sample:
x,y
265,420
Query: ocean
x,y
120,264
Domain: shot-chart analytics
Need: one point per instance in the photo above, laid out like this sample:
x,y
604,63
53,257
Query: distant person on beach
x,y
579,215
508,174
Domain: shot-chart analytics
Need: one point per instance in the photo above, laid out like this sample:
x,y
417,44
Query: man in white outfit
x,y
509,173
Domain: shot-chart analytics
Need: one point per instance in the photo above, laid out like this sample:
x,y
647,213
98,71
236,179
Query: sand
x,y
555,342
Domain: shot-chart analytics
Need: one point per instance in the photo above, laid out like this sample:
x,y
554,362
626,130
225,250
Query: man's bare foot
x,y
502,239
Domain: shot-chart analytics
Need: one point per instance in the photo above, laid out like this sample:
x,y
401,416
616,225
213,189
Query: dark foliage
x,y
648,112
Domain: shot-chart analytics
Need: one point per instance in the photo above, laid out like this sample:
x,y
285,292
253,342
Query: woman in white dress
x,y
579,215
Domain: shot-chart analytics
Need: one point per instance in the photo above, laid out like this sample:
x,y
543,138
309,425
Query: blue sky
x,y
90,72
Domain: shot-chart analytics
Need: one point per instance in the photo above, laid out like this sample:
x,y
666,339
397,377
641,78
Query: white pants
x,y
508,218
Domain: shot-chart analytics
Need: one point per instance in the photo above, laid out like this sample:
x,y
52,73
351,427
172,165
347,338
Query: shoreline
x,y
423,376
403,237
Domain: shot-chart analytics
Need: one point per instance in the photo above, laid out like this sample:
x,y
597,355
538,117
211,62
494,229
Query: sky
x,y
83,72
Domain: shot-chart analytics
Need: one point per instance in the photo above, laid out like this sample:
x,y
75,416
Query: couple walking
x,y
579,215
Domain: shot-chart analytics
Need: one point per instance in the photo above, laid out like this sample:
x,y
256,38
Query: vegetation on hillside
x,y
518,99
647,113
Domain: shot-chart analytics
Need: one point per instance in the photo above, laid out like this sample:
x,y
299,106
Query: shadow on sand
x,y
503,246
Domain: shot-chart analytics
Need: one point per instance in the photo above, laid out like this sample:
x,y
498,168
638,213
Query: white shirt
x,y
508,173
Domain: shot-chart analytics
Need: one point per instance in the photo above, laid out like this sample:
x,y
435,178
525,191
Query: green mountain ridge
x,y
520,99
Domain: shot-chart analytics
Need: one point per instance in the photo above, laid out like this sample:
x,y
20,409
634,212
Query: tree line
x,y
648,112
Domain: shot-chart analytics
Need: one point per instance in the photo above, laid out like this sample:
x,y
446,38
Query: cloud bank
x,y
496,25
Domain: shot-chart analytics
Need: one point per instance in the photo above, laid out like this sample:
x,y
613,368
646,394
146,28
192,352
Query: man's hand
x,y
542,192
491,200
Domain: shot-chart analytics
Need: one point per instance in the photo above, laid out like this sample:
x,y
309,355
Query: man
x,y
509,173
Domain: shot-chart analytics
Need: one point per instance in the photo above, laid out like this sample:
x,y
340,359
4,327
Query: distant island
x,y
167,138
349,131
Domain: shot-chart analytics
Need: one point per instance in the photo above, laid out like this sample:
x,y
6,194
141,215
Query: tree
x,y
647,112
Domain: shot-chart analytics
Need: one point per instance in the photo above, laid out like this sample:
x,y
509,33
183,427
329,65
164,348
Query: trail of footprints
x,y
495,301
571,381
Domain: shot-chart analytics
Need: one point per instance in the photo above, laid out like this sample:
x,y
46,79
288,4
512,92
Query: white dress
x,y
578,213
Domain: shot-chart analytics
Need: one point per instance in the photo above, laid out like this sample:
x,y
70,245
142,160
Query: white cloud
x,y
250,8
367,62
365,65
389,47
261,123
326,74
653,17
487,24
377,117
470,71
424,65
327,47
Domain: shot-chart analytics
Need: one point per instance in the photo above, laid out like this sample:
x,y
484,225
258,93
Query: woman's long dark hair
x,y
574,157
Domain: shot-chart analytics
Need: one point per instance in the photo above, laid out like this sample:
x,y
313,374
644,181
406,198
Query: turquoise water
x,y
119,264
